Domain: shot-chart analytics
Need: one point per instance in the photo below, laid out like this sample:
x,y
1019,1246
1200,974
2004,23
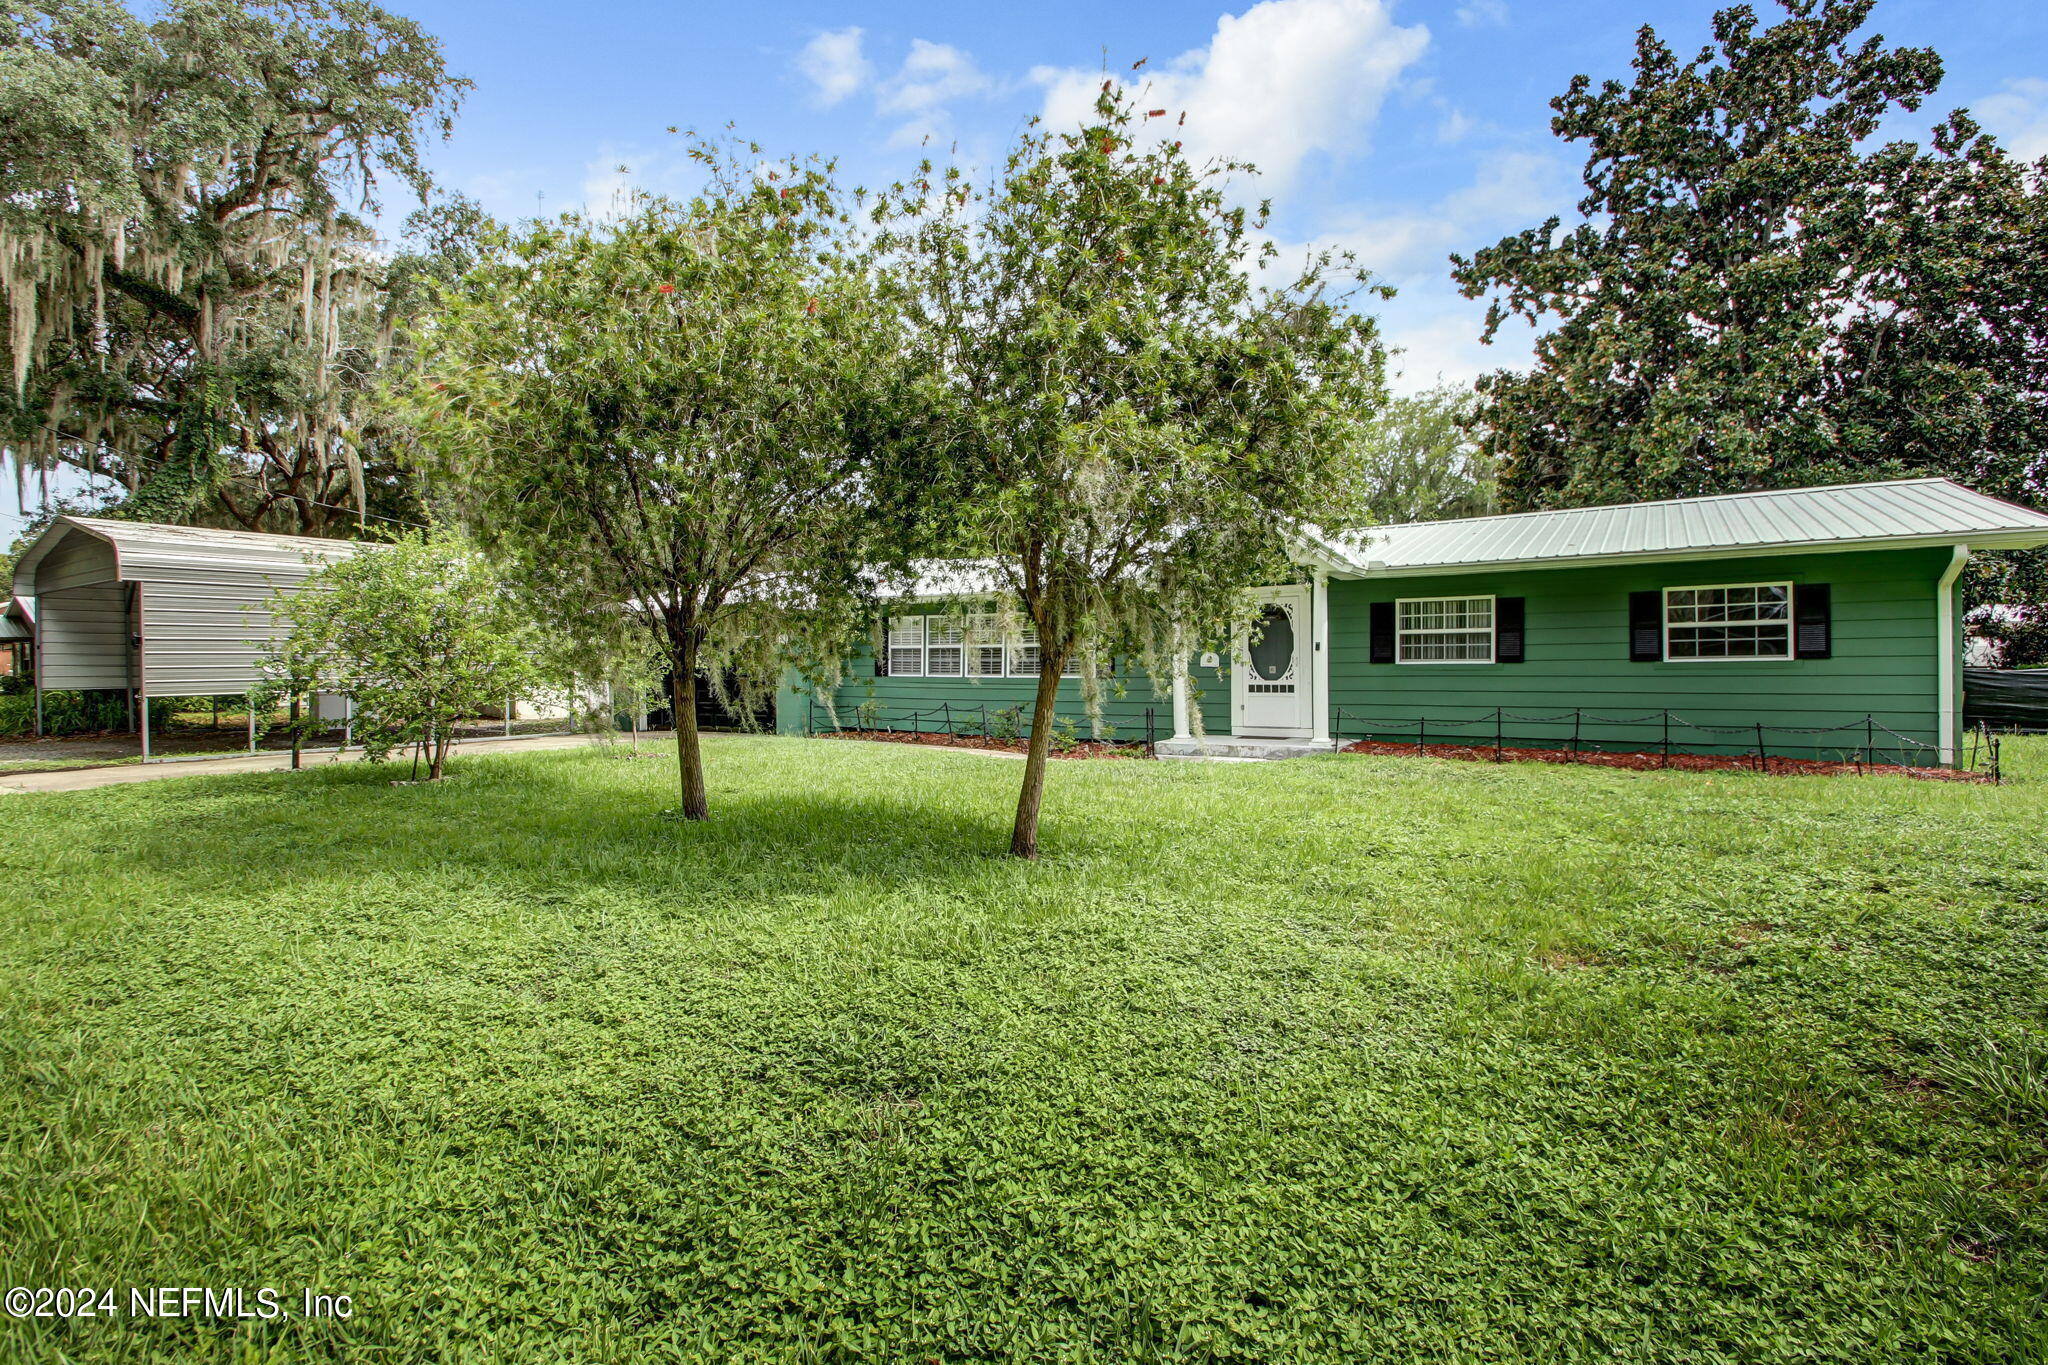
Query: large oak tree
x,y
1759,294
196,306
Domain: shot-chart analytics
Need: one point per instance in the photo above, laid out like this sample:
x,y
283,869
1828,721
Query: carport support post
x,y
508,718
142,727
250,706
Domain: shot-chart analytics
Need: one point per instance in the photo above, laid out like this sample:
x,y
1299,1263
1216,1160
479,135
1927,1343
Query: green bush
x,y
74,713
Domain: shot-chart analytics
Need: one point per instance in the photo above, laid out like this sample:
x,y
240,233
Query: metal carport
x,y
157,610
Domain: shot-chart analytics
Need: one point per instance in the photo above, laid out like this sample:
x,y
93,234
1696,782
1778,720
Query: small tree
x,y
673,419
420,633
1126,422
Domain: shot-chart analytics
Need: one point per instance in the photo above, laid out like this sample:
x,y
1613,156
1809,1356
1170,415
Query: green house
x,y
1811,622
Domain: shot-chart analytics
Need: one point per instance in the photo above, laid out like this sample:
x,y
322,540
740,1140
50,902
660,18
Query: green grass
x,y
1336,1059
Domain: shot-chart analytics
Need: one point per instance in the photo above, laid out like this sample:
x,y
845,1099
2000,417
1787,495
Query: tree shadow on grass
x,y
548,826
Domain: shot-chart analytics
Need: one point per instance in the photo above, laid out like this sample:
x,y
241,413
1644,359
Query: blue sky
x,y
1403,129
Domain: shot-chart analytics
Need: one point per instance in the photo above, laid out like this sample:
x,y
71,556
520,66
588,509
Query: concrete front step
x,y
1237,747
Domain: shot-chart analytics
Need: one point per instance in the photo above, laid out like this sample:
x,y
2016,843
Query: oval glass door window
x,y
1273,644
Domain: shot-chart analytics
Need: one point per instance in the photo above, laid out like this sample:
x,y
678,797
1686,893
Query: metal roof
x,y
147,549
1901,512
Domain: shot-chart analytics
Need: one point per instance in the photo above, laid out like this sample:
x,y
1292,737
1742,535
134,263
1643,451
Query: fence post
x,y
947,708
1763,764
1576,715
1496,734
1421,734
1665,761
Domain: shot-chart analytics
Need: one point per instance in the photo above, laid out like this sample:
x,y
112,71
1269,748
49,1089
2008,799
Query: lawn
x,y
1348,1058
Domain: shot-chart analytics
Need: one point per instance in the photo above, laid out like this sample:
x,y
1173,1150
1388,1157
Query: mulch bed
x,y
1690,763
1083,748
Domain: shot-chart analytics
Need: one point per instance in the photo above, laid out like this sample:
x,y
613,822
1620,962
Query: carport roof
x,y
146,549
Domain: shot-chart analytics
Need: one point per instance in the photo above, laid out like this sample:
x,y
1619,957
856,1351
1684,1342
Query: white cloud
x,y
2018,114
1285,79
835,65
1442,345
933,74
1477,12
1509,190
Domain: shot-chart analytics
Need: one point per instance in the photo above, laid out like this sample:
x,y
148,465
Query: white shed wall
x,y
84,636
203,634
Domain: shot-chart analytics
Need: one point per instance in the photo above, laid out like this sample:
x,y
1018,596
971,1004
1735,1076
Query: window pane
x,y
945,646
906,646
1446,630
1747,621
1024,653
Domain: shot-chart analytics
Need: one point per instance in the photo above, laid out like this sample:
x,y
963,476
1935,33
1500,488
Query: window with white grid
x,y
1444,630
1024,656
985,646
945,646
906,646
1744,621
1024,653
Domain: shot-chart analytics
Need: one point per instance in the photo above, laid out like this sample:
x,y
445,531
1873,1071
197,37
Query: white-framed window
x,y
1024,653
985,646
906,646
1443,630
1728,621
1024,656
945,646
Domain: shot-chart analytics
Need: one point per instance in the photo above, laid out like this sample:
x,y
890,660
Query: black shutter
x,y
1813,621
1508,616
1646,627
1382,632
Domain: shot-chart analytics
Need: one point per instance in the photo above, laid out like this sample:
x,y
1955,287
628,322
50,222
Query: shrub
x,y
74,713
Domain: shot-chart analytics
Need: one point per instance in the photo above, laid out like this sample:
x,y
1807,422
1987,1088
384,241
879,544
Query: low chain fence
x,y
1862,743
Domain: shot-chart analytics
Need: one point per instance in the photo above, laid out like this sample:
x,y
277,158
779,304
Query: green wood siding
x,y
899,696
1883,664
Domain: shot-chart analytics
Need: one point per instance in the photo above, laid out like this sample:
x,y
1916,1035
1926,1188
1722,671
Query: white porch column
x,y
1180,696
1945,656
1319,658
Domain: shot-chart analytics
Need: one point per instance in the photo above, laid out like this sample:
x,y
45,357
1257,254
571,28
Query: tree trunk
x,y
444,734
682,687
1024,835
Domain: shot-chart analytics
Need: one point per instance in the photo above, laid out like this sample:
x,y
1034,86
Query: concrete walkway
x,y
86,779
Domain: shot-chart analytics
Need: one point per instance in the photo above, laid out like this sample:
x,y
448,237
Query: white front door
x,y
1269,685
